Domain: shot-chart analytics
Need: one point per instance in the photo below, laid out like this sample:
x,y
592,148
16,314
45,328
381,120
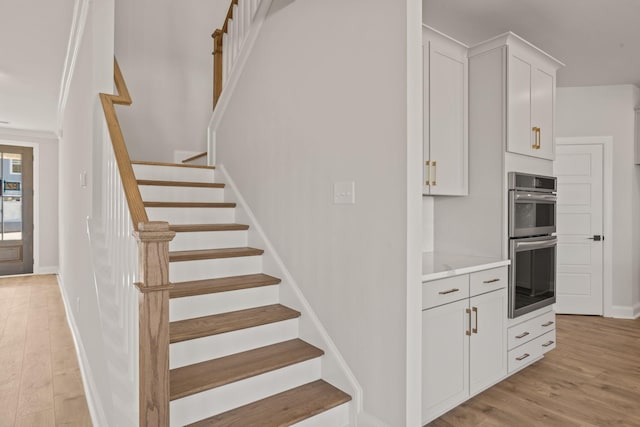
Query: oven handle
x,y
536,245
532,197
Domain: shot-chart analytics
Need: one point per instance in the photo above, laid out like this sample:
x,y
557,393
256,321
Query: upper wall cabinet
x,y
445,115
530,79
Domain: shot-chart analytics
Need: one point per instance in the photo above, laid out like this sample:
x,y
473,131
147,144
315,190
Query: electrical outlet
x,y
344,193
83,179
77,304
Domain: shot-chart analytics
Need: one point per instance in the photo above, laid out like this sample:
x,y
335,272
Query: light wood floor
x,y
40,383
592,378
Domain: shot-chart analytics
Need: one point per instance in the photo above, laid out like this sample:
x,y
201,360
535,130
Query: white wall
x,y
323,99
112,398
45,215
609,111
164,49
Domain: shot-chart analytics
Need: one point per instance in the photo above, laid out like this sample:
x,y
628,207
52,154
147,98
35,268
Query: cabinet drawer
x,y
438,292
532,328
487,280
531,351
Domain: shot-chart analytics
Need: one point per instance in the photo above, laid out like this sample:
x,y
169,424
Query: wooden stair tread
x,y
199,327
188,205
177,165
213,373
200,254
186,228
196,157
282,409
161,183
223,284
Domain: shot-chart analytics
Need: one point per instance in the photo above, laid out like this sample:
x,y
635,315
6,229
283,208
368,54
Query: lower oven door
x,y
532,280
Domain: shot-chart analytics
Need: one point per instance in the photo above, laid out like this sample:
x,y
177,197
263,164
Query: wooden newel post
x,y
217,65
153,306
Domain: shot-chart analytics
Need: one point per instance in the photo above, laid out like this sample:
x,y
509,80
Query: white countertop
x,y
437,265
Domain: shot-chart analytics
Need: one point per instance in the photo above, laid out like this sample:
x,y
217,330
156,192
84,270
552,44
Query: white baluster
x,y
232,42
254,8
236,35
240,20
246,20
225,57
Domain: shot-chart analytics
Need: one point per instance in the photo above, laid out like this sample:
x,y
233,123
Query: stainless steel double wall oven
x,y
532,245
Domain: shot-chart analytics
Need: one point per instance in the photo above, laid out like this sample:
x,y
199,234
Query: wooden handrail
x,y
217,53
129,183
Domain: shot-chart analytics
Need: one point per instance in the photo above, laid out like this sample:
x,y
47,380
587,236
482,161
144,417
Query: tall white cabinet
x,y
445,115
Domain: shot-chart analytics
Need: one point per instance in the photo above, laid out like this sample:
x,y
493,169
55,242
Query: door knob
x,y
596,237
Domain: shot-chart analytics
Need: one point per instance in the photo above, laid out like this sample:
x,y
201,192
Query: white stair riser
x,y
192,215
198,350
334,417
211,402
158,193
214,268
173,173
209,240
205,305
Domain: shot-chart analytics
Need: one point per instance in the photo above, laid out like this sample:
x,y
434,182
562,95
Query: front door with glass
x,y
16,210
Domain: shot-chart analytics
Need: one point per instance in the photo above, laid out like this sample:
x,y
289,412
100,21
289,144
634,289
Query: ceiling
x,y
598,40
33,44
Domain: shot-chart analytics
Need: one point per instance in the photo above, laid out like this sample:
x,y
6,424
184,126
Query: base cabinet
x,y
528,340
464,343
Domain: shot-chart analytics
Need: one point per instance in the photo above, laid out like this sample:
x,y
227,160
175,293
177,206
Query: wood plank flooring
x,y
592,378
40,383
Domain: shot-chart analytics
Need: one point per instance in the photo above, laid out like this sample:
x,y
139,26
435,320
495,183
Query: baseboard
x,y
46,270
98,417
625,312
335,369
367,420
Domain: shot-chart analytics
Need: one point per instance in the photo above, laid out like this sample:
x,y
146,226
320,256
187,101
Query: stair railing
x,y
127,225
228,41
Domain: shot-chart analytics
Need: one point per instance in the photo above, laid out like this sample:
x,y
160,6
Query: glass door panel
x,y
11,201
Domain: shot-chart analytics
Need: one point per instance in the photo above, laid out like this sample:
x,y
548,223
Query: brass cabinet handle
x,y
491,281
468,332
450,291
549,323
475,310
435,170
547,344
522,335
428,164
536,145
524,356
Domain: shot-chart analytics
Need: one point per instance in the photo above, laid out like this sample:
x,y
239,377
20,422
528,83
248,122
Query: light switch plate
x,y
344,193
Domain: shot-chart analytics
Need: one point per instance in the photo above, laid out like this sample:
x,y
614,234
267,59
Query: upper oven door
x,y
531,213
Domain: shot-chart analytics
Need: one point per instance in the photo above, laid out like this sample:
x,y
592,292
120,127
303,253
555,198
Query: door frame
x,y
607,218
36,200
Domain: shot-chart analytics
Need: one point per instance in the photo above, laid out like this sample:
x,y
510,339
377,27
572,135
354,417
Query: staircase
x,y
236,358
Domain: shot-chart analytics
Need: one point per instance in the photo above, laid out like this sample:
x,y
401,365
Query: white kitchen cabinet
x,y
530,337
529,79
445,115
464,342
488,362
531,94
445,358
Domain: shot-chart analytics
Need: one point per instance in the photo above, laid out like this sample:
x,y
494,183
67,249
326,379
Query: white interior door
x,y
579,169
